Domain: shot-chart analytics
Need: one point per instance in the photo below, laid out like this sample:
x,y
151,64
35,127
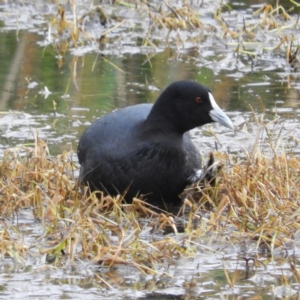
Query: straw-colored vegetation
x,y
255,199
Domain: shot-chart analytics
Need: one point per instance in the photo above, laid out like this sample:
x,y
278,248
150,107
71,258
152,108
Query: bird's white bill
x,y
218,115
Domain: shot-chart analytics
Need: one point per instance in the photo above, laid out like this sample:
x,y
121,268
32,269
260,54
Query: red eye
x,y
198,100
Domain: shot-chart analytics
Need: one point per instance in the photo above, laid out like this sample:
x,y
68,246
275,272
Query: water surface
x,y
59,93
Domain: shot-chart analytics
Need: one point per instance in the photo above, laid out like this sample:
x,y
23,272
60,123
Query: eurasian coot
x,y
145,149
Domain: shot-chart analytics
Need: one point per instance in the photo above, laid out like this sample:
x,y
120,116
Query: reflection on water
x,y
88,87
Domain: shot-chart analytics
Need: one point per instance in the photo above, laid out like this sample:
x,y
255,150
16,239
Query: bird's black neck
x,y
164,115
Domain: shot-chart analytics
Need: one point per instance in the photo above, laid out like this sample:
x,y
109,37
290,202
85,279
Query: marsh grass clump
x,y
76,224
261,195
31,178
254,202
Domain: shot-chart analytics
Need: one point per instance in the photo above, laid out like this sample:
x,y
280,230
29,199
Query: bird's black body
x,y
145,149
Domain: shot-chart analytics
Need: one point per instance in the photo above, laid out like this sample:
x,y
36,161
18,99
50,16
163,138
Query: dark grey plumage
x,y
145,149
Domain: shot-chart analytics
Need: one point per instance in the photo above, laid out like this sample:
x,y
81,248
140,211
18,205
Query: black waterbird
x,y
145,149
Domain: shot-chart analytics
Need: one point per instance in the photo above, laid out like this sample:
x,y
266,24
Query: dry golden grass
x,y
256,199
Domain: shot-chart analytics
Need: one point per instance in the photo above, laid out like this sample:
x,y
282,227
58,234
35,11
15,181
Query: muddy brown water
x,y
60,95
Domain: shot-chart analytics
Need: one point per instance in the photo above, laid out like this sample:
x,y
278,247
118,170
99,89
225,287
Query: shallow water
x,y
60,94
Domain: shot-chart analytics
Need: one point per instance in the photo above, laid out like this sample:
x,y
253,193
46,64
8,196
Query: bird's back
x,y
117,154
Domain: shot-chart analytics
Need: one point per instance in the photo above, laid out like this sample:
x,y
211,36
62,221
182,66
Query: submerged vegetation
x,y
119,27
184,26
